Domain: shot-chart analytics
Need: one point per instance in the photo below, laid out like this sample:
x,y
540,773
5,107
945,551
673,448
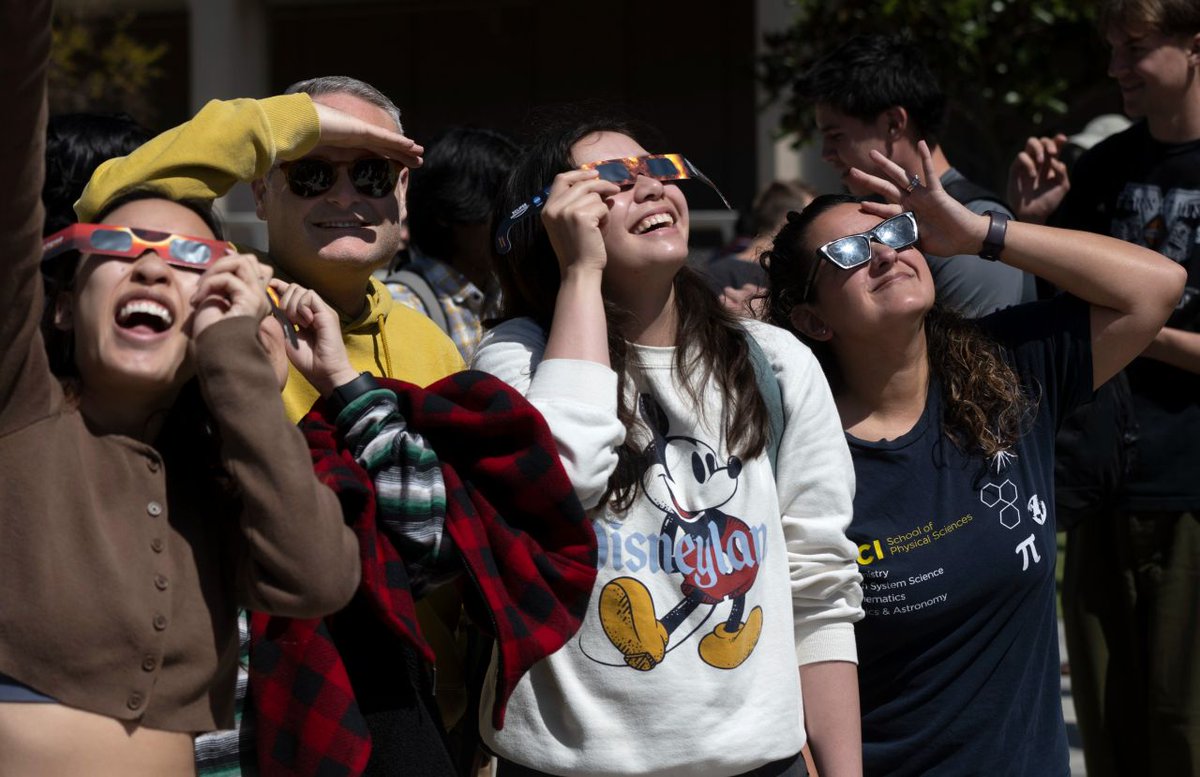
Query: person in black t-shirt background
x,y
951,428
1131,596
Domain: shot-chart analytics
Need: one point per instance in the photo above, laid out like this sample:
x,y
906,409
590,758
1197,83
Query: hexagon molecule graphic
x,y
1004,494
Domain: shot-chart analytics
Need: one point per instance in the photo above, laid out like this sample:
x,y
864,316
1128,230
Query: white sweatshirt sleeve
x,y
577,398
815,480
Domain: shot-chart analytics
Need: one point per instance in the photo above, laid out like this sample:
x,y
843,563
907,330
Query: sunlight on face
x,y
131,317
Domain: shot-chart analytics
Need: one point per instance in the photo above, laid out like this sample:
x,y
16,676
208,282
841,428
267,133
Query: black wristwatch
x,y
993,244
350,391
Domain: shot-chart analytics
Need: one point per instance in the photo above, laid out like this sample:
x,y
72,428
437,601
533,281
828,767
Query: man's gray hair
x,y
351,86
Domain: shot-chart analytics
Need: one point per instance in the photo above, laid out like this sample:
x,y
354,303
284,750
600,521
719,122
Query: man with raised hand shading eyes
x,y
329,168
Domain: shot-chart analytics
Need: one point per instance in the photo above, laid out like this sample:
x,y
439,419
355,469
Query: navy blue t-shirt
x,y
958,652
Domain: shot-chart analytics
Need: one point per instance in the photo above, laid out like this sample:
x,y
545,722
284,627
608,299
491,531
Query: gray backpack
x,y
419,286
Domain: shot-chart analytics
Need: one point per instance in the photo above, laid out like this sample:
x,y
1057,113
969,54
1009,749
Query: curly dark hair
x,y
711,345
986,408
76,144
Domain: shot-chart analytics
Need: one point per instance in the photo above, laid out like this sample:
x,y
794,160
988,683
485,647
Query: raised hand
x,y
574,215
946,227
319,353
235,285
345,131
1038,179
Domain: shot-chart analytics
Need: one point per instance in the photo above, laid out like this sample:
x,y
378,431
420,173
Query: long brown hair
x,y
986,410
711,345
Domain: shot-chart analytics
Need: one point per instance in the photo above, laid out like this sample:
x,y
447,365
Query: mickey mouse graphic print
x,y
720,579
715,555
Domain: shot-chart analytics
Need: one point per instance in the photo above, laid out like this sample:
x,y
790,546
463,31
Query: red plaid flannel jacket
x,y
525,544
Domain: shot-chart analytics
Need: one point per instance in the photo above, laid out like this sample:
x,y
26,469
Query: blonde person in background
x,y
735,274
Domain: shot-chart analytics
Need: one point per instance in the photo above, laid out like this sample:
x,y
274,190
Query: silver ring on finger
x,y
914,181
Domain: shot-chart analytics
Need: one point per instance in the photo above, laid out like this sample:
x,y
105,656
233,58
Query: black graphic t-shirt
x,y
1134,188
958,653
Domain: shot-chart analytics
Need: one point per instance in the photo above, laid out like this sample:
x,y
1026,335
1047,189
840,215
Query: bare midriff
x,y
41,739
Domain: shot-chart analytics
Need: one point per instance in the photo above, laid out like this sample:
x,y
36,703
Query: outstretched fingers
x,y
340,129
897,185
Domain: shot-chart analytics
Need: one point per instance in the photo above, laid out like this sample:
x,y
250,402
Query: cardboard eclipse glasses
x,y
189,253
622,172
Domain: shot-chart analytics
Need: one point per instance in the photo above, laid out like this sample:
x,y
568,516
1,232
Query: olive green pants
x,y
1131,611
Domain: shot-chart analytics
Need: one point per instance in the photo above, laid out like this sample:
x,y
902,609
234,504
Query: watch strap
x,y
993,243
351,390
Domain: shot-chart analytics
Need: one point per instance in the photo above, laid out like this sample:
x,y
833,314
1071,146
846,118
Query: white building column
x,y
229,49
230,57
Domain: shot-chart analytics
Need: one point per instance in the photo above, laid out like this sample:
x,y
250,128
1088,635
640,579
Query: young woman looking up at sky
x,y
951,426
152,484
717,575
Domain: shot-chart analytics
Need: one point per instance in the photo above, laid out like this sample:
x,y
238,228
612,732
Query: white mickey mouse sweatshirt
x,y
712,588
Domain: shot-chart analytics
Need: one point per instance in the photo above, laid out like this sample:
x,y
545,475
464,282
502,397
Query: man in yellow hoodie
x,y
328,165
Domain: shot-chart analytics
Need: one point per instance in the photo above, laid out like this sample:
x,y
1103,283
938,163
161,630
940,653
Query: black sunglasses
x,y
372,177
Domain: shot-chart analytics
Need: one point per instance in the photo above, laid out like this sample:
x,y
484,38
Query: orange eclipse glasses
x,y
623,172
663,167
190,253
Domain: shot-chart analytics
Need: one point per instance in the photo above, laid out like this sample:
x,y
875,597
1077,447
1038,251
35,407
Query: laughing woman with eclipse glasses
x,y
951,425
152,485
708,454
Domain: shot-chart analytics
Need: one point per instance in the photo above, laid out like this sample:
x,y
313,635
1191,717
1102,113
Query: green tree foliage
x,y
1011,68
97,65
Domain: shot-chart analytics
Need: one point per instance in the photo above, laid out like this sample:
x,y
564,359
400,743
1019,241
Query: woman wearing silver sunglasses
x,y
951,427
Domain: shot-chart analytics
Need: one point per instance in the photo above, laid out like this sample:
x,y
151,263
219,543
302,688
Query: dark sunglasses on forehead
x,y
623,172
192,253
898,233
372,177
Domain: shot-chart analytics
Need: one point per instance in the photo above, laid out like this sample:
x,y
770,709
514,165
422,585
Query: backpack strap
x,y
772,395
419,286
